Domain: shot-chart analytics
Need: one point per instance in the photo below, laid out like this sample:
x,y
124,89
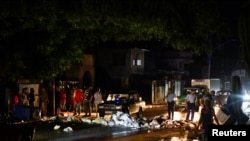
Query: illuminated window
x,y
137,61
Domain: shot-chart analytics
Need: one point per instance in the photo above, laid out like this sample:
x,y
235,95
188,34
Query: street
x,y
95,132
84,131
77,129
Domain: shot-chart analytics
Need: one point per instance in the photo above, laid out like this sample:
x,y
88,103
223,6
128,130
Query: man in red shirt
x,y
78,99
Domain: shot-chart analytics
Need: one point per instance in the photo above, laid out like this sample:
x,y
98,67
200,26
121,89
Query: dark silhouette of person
x,y
31,97
206,118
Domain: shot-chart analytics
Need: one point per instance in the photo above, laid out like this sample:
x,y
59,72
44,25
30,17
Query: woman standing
x,y
206,119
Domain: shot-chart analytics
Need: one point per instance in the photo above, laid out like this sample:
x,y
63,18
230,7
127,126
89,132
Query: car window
x,y
223,93
111,97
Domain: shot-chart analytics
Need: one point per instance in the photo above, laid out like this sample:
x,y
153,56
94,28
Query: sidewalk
x,y
94,115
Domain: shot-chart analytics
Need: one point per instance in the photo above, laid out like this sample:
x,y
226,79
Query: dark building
x,y
148,70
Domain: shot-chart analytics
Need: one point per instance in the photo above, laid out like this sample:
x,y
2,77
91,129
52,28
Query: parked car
x,y
128,102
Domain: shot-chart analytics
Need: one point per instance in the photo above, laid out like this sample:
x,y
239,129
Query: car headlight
x,y
175,99
246,97
118,107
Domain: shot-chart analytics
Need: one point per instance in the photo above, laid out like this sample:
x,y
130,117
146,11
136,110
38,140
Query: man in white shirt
x,y
190,99
170,99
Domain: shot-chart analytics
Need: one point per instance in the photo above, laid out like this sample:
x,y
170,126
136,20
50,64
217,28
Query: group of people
x,y
27,98
207,113
78,99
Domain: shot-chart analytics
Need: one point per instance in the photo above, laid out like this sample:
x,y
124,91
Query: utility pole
x,y
209,66
210,44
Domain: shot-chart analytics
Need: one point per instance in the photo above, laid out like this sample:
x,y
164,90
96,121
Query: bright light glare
x,y
182,116
246,97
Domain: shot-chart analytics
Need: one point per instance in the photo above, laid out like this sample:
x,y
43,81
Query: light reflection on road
x,y
182,116
124,133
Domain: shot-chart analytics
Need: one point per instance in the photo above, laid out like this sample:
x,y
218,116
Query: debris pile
x,y
126,120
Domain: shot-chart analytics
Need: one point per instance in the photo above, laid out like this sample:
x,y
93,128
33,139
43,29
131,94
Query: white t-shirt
x,y
171,97
191,98
97,98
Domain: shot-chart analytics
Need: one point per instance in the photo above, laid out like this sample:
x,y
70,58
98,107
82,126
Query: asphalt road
x,y
95,132
84,131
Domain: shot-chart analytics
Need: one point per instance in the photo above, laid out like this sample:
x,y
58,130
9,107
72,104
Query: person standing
x,y
31,97
78,99
208,96
57,100
170,100
71,100
44,101
63,97
207,118
190,100
88,101
16,99
23,97
97,99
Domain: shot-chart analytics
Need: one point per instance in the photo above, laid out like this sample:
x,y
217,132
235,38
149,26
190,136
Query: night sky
x,y
230,10
226,53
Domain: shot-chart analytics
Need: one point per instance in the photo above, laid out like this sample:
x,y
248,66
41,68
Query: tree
x,y
41,39
244,29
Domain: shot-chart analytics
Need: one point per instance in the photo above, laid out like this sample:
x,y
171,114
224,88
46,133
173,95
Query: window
x,y
137,61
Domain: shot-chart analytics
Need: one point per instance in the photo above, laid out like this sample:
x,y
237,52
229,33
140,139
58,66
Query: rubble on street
x,y
125,120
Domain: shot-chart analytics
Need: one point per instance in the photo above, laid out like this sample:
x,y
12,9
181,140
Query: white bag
x,y
222,117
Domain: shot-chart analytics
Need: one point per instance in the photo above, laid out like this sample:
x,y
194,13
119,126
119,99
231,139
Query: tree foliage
x,y
42,38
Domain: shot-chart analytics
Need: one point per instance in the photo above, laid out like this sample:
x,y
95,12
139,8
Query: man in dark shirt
x,y
31,97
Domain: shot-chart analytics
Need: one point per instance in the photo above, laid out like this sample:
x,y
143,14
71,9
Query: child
x,y
206,118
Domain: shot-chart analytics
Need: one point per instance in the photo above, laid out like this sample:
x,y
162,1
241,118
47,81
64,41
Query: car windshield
x,y
198,90
223,93
112,97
